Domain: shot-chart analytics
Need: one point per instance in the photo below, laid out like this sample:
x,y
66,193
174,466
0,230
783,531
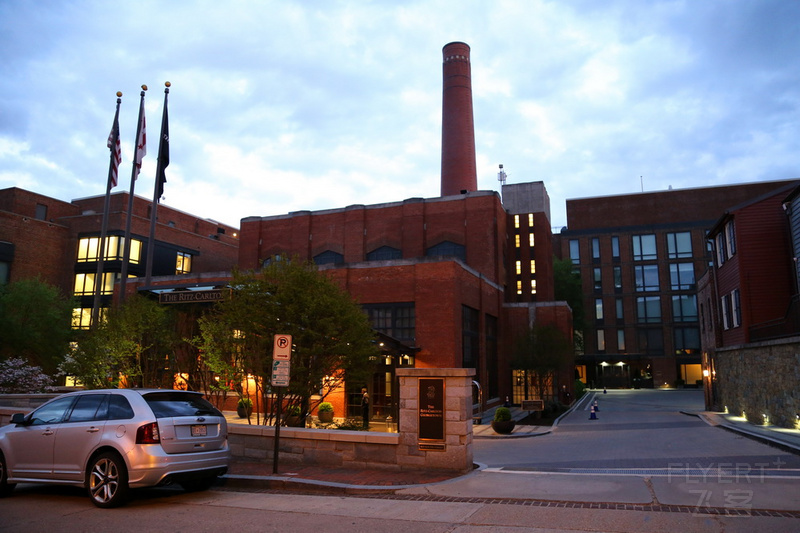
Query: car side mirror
x,y
18,418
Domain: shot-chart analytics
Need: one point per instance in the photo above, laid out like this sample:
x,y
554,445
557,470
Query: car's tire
x,y
5,486
198,484
107,481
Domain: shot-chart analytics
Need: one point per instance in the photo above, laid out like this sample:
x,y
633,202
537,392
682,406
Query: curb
x,y
757,436
294,484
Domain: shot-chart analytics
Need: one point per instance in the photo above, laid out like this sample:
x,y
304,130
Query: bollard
x,y
596,407
593,415
605,391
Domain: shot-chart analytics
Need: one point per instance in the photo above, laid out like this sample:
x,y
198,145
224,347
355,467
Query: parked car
x,y
111,440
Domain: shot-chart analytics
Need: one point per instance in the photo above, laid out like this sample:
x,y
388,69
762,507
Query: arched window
x,y
329,257
384,253
448,248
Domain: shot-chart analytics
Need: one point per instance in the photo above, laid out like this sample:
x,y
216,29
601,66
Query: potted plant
x,y
502,422
244,408
292,417
325,412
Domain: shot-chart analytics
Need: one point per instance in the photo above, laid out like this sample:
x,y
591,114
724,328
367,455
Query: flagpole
x,y
113,165
161,164
135,168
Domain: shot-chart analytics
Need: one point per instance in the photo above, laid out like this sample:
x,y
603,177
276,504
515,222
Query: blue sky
x,y
285,106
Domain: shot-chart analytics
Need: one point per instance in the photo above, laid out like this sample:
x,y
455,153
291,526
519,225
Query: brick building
x,y
59,242
639,257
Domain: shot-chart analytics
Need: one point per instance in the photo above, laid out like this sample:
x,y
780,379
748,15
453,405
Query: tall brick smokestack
x,y
458,130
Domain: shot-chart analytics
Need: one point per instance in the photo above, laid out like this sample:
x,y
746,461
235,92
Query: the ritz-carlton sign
x,y
186,297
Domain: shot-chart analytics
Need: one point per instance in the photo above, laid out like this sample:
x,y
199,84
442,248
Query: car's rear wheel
x,y
198,484
5,486
108,480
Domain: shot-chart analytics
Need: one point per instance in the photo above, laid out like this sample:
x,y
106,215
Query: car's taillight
x,y
148,434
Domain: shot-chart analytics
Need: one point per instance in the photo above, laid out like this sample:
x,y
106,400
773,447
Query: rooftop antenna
x,y
501,176
641,182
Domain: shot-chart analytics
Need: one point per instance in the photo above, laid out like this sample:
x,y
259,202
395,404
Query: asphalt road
x,y
637,430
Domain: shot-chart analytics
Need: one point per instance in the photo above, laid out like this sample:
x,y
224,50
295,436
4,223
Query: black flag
x,y
163,148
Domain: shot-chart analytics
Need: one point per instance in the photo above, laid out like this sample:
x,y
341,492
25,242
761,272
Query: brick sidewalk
x,y
333,474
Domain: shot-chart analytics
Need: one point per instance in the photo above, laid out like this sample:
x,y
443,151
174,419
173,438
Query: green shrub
x,y
245,402
580,388
325,407
293,410
502,414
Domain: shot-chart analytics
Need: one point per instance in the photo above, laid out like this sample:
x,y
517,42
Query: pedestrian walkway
x,y
787,439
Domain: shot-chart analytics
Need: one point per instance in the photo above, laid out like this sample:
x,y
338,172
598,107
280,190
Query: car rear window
x,y
169,404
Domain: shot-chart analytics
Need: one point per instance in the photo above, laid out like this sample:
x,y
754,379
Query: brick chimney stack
x,y
458,130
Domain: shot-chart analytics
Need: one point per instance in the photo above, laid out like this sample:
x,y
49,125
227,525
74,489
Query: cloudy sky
x,y
283,106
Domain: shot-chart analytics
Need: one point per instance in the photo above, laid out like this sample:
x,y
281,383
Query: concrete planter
x,y
503,427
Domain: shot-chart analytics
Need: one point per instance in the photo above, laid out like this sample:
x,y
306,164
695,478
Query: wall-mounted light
x,y
705,372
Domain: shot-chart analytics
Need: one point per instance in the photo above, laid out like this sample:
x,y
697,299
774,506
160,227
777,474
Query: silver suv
x,y
115,439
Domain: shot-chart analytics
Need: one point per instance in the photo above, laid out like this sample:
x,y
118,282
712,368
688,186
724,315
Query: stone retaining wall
x,y
363,449
761,378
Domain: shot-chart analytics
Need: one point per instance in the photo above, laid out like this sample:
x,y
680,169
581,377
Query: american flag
x,y
116,152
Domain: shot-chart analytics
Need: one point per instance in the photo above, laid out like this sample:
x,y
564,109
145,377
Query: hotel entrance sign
x,y
431,414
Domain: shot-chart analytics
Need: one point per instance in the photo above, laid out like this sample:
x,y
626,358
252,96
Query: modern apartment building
x,y
639,257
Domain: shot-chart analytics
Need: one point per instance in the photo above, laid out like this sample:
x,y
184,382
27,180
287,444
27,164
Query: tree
x,y
332,337
18,377
35,323
567,284
135,343
540,352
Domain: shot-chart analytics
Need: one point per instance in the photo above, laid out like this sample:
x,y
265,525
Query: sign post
x,y
281,365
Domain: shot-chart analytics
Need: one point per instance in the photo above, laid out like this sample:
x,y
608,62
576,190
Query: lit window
x,y
601,341
87,249
530,220
533,266
516,241
519,267
530,240
533,286
183,263
621,340
85,284
82,317
136,251
598,308
519,286
516,221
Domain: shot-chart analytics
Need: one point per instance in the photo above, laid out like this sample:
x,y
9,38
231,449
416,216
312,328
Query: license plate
x,y
198,431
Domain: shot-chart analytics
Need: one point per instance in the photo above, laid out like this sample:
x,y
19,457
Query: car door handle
x,y
48,431
93,429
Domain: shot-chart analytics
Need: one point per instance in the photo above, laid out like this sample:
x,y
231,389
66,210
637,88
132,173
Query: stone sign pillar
x,y
435,418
